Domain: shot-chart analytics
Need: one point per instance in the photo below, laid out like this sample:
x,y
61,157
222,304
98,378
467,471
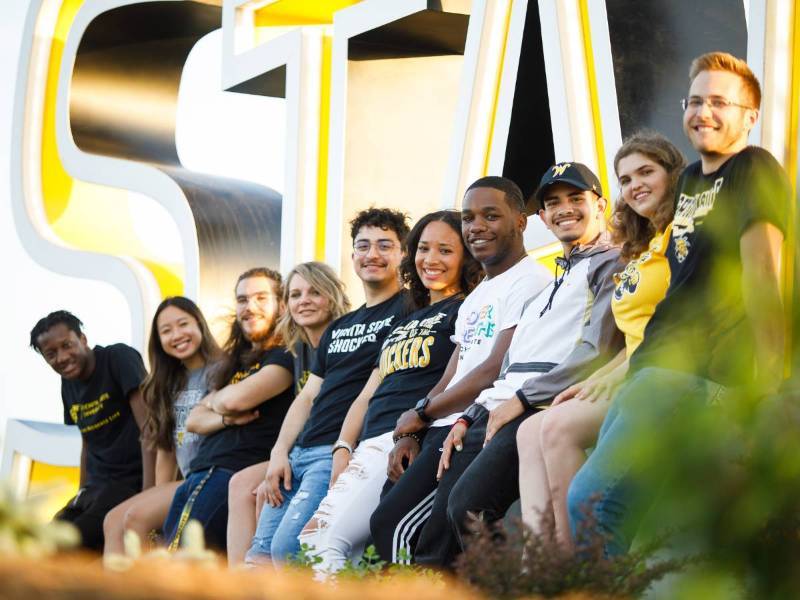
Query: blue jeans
x,y
278,527
605,486
203,496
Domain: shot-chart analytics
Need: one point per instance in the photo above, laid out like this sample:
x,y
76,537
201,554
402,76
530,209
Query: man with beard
x,y
100,392
255,377
301,460
721,324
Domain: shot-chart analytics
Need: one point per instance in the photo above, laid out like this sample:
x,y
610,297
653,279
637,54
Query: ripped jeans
x,y
278,527
340,527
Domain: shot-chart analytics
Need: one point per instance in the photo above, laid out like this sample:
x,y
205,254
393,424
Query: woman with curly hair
x,y
552,444
439,271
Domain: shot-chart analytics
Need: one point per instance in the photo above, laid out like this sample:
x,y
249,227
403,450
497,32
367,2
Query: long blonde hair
x,y
322,278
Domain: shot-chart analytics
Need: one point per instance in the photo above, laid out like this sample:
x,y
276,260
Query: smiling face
x,y
257,307
643,183
180,335
376,256
721,131
307,306
438,259
66,352
491,229
574,216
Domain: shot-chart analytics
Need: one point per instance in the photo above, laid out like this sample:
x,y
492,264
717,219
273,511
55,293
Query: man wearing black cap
x,y
564,334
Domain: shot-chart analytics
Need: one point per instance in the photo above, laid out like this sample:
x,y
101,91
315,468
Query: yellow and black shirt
x,y
411,362
639,288
101,409
700,327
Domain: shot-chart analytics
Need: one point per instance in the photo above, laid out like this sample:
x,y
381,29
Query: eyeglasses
x,y
717,103
361,247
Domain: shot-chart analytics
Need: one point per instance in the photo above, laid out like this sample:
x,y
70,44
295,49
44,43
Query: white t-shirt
x,y
494,306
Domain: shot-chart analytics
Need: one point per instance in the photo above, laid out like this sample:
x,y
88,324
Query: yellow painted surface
x,y
498,82
546,255
299,12
53,485
84,215
324,140
594,98
791,168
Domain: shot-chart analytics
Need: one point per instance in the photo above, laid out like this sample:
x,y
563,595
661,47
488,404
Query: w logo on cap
x,y
558,170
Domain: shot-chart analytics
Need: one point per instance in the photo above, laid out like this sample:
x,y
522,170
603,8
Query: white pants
x,y
340,527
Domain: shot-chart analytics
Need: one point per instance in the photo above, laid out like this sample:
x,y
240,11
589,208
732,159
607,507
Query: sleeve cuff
x,y
523,400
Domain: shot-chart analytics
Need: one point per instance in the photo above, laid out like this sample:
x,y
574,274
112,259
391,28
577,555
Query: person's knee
x,y
240,489
460,509
133,519
284,547
113,522
528,435
556,430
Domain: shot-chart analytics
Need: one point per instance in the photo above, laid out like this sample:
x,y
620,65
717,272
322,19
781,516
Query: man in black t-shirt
x,y
721,322
100,392
300,462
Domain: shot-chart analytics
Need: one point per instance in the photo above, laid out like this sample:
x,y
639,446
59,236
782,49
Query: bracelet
x,y
341,444
411,434
463,421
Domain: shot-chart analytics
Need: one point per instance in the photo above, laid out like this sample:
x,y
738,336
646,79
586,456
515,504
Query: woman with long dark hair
x,y
182,352
255,377
552,444
439,271
314,296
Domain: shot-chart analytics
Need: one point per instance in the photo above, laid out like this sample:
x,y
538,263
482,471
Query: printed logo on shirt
x,y
244,374
480,325
84,411
409,346
350,339
691,211
628,281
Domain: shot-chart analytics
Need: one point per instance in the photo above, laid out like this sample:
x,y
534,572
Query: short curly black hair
x,y
57,317
385,218
513,194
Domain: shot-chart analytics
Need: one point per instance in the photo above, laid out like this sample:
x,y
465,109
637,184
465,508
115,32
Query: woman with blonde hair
x,y
314,296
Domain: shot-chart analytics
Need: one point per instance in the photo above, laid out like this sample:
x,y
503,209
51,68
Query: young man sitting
x,y
100,393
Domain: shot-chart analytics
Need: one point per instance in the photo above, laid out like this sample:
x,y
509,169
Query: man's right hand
x,y
279,470
454,439
409,422
405,450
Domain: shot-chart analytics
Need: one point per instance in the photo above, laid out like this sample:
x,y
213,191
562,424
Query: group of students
x,y
470,378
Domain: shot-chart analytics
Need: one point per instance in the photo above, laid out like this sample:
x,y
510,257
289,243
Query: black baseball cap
x,y
573,173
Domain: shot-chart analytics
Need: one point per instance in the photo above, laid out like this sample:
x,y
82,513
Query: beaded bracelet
x,y
412,434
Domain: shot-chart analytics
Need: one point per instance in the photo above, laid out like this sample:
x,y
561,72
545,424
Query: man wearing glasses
x,y
721,324
300,462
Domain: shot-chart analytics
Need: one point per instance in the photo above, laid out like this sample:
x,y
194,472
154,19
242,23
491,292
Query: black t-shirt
x,y
239,446
101,409
411,362
700,327
302,365
345,358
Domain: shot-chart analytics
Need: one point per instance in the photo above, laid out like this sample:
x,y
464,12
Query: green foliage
x,y
513,562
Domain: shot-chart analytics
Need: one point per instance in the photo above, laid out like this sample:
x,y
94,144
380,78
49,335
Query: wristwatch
x,y
420,407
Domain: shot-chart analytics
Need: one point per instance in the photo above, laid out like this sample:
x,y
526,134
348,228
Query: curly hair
x,y
58,317
630,229
168,374
471,270
322,278
384,218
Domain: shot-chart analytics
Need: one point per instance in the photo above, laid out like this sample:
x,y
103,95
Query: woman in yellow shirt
x,y
552,443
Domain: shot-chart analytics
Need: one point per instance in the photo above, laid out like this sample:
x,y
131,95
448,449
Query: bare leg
x,y
242,517
141,513
534,490
566,431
